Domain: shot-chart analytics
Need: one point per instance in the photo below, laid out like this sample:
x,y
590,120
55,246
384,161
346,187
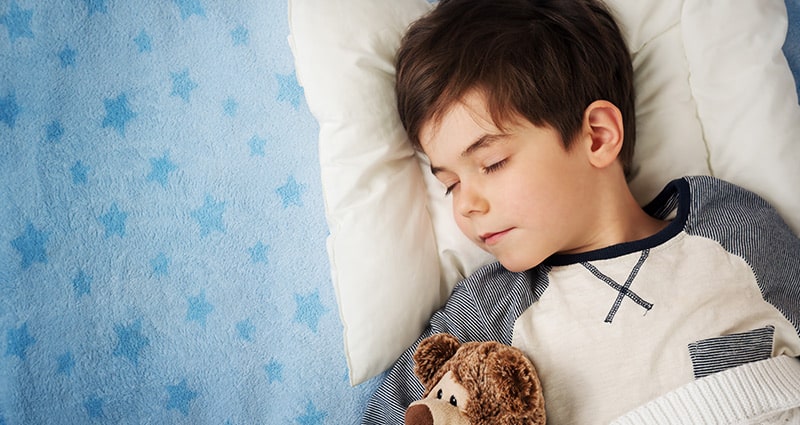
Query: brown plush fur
x,y
502,383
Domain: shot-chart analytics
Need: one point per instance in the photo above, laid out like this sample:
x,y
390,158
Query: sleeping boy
x,y
525,109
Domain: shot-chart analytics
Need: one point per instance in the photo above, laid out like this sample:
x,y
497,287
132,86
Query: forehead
x,y
462,122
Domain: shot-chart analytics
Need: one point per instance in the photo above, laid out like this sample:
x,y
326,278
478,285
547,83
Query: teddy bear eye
x,y
439,394
453,401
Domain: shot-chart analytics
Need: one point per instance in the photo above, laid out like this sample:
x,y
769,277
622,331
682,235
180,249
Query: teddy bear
x,y
476,383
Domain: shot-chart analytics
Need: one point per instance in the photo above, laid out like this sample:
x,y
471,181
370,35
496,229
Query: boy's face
x,y
517,194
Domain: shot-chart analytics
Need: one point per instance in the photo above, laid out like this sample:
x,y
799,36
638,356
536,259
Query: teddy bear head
x,y
477,383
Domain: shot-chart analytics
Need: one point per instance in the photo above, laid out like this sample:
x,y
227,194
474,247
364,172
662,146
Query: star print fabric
x,y
162,233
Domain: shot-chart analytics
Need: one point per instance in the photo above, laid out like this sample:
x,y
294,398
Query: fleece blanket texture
x,y
162,232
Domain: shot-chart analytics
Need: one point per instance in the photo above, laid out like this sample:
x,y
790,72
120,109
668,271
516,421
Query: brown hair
x,y
543,60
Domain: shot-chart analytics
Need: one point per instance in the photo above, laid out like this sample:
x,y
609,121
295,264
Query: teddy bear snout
x,y
418,414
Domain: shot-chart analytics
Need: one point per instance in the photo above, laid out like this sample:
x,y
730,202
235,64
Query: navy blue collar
x,y
675,197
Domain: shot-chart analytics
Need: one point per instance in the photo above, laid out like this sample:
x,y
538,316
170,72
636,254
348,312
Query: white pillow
x,y
714,96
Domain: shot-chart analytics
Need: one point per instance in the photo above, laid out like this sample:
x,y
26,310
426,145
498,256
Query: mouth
x,y
492,238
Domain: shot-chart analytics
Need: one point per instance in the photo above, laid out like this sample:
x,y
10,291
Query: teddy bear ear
x,y
432,353
516,383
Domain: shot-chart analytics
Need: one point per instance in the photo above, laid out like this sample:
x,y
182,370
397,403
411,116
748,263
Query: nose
x,y
469,200
418,414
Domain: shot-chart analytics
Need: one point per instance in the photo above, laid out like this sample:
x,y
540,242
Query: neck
x,y
615,216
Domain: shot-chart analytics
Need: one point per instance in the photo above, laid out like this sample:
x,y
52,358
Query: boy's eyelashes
x,y
494,167
449,187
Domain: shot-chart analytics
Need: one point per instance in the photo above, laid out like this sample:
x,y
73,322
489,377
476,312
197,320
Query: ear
x,y
432,352
603,132
515,382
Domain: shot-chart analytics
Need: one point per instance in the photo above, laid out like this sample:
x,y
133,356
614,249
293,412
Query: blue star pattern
x,y
82,284
246,329
180,396
290,192
199,309
95,6
130,341
160,265
54,131
309,309
94,406
80,173
18,22
289,90
143,42
209,216
182,85
118,113
160,169
257,145
230,107
9,109
240,36
189,8
162,233
114,221
19,340
258,253
67,56
65,364
31,245
312,415
274,370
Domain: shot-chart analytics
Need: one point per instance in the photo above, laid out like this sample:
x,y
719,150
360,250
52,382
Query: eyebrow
x,y
482,142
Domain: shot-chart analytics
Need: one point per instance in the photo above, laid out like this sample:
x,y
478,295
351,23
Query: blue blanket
x,y
162,232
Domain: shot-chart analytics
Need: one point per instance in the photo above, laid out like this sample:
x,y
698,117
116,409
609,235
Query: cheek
x,y
462,224
465,227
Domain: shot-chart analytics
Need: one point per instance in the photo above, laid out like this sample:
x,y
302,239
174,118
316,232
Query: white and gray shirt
x,y
611,329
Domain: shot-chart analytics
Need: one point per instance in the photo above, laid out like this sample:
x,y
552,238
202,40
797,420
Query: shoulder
x,y
747,226
719,209
710,192
493,282
492,298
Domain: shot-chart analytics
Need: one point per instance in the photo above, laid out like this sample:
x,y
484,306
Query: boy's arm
x,y
746,225
779,260
400,386
483,307
775,258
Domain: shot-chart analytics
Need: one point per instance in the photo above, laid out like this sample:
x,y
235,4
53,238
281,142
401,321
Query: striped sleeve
x,y
747,226
483,307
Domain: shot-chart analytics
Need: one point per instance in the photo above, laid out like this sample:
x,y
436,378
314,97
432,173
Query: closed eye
x,y
450,188
487,170
494,167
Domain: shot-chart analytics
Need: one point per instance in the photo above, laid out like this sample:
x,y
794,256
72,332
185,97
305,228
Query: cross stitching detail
x,y
624,290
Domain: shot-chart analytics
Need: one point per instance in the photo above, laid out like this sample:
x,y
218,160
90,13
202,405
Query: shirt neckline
x,y
675,197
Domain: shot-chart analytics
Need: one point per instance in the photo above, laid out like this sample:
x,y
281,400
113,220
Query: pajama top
x,y
609,330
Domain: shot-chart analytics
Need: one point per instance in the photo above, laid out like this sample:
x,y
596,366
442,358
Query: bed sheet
x,y
162,246
162,231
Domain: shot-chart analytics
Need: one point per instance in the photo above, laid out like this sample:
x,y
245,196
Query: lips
x,y
495,237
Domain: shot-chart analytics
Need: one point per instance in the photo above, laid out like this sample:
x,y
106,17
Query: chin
x,y
516,266
519,262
